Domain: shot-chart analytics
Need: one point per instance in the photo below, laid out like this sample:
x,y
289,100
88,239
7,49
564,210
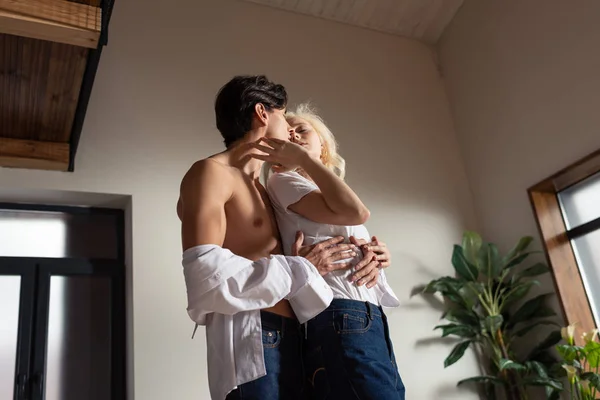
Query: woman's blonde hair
x,y
329,154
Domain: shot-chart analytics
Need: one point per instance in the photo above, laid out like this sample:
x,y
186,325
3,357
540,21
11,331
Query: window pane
x,y
78,355
10,288
581,203
587,251
57,235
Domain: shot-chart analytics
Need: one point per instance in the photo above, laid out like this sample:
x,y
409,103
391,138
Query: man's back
x,y
237,208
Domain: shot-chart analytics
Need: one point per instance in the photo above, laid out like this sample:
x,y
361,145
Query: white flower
x,y
590,336
585,386
568,334
571,372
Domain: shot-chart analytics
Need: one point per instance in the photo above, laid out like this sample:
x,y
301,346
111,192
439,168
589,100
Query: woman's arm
x,y
334,203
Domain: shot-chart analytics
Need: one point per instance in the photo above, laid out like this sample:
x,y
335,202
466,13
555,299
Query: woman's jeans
x,y
348,354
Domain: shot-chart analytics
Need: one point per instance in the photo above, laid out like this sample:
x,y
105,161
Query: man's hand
x,y
367,270
323,255
376,246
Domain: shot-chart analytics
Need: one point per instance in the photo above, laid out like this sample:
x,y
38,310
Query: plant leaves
x,y
493,323
489,260
551,383
538,367
593,378
568,352
592,352
471,244
552,394
552,339
511,257
510,364
457,352
533,308
448,287
465,269
481,379
525,330
457,330
518,292
465,317
535,270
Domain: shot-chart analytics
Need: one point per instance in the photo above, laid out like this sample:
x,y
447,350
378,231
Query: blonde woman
x,y
348,352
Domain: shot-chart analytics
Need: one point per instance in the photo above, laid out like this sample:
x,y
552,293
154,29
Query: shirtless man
x,y
251,299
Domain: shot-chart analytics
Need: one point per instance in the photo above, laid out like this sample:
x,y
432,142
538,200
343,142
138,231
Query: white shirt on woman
x,y
288,188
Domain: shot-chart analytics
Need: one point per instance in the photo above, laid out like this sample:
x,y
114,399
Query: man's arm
x,y
204,191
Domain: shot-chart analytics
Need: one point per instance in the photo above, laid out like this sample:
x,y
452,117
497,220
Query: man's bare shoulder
x,y
207,171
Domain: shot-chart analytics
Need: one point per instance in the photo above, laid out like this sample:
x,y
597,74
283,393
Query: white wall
x,y
524,84
151,116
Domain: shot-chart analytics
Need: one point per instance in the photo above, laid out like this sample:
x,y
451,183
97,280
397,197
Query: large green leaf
x,y
592,352
552,339
471,244
466,317
460,330
490,262
510,364
593,378
481,379
551,383
534,270
533,308
457,353
519,259
493,323
523,331
538,367
449,287
510,259
517,292
567,352
465,269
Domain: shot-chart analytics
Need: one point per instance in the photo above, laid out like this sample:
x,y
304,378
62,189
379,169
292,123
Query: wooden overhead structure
x,y
49,54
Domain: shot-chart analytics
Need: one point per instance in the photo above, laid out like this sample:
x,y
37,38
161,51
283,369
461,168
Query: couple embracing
x,y
284,276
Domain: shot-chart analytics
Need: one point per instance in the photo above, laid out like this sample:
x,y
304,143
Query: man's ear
x,y
261,113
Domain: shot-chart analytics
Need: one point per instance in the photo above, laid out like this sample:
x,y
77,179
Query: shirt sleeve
x,y
218,281
288,188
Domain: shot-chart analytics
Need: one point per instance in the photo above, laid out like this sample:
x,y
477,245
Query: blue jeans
x,y
282,344
349,355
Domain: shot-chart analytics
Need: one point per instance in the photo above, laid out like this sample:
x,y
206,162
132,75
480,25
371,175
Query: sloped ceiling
x,y
423,20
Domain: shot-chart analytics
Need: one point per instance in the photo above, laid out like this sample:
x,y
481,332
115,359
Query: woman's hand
x,y
283,154
376,246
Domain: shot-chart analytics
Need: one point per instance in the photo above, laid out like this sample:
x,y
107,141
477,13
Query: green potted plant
x,y
485,310
580,363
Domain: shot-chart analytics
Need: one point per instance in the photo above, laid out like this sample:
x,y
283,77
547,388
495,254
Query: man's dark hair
x,y
235,102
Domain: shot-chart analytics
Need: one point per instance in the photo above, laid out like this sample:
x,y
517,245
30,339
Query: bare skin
x,y
222,202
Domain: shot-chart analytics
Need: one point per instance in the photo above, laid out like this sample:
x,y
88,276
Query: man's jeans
x,y
349,354
285,379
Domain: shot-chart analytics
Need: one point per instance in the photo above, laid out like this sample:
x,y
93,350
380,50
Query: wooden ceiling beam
x,y
54,20
33,154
